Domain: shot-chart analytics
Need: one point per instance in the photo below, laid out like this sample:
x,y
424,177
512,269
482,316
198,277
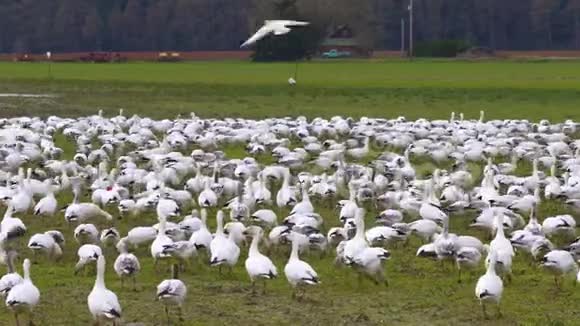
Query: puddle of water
x,y
26,95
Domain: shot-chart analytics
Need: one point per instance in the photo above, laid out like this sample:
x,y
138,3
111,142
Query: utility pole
x,y
402,37
411,28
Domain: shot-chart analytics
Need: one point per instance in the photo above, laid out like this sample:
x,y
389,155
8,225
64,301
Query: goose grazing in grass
x,y
172,292
46,244
86,234
109,236
489,287
258,265
561,225
298,272
467,258
87,253
560,263
10,279
265,217
370,262
80,212
24,296
424,229
223,249
126,265
103,303
140,235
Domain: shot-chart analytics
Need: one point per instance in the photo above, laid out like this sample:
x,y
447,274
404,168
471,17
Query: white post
x,y
48,57
411,28
402,37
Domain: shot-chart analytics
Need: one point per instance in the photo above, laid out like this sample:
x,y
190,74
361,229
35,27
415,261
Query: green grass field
x,y
505,89
421,292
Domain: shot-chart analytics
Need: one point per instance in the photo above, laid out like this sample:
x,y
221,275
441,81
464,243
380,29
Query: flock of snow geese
x,y
133,166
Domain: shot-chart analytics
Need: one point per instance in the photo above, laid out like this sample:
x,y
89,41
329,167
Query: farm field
x,y
420,292
424,88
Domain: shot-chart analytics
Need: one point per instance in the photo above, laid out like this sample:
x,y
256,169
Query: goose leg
x,y
167,314
253,287
499,314
264,288
134,283
180,313
459,275
16,318
483,308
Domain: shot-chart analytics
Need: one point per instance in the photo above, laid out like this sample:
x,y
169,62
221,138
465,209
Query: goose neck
x,y
254,245
294,253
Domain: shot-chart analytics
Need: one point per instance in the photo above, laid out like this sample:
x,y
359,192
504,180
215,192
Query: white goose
x,y
489,287
370,261
172,292
86,234
126,265
87,253
223,249
560,263
24,296
207,198
258,265
299,272
286,196
103,303
351,248
109,236
12,227
304,206
162,246
10,279
47,205
45,243
202,238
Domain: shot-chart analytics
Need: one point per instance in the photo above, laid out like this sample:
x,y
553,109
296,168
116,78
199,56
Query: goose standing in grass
x,y
560,263
103,303
10,279
223,249
258,265
24,296
126,265
489,287
162,246
351,248
298,272
172,292
202,238
12,227
47,205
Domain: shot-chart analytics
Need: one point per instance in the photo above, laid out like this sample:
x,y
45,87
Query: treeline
x,y
151,25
